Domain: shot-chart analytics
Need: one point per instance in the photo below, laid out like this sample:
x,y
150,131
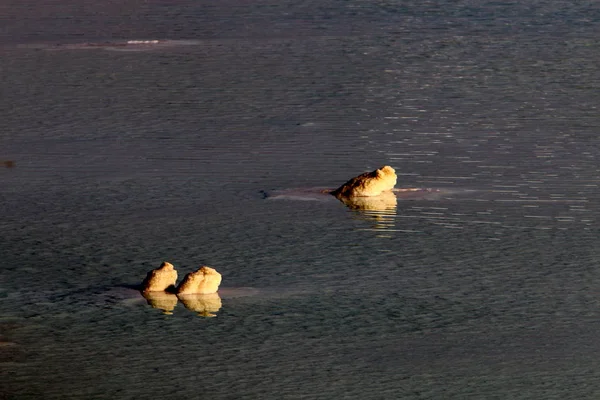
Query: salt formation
x,y
368,184
205,280
204,304
160,279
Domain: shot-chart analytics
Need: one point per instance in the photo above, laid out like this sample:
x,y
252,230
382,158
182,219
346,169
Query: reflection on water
x,y
380,219
378,209
203,304
382,209
384,202
162,300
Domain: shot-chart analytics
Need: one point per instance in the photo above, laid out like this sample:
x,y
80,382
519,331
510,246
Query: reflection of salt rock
x,y
368,184
204,304
205,280
386,201
160,279
161,300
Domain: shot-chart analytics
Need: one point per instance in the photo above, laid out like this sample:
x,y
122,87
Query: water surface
x,y
125,159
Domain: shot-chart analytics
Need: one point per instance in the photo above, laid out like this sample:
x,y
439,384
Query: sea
x,y
207,133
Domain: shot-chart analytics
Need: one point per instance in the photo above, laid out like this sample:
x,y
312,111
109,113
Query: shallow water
x,y
122,160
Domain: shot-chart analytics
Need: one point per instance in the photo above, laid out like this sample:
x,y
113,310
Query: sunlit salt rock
x,y
385,201
161,300
205,280
204,304
368,184
160,279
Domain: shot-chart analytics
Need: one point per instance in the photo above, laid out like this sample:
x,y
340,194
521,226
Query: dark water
x,y
123,159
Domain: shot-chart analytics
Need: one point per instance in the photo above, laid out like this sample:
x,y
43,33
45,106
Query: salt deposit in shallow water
x,y
115,45
324,195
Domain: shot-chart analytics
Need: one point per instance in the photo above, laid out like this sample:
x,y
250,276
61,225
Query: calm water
x,y
208,152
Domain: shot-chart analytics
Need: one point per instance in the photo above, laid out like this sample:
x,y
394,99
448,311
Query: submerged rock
x,y
161,279
203,281
368,184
